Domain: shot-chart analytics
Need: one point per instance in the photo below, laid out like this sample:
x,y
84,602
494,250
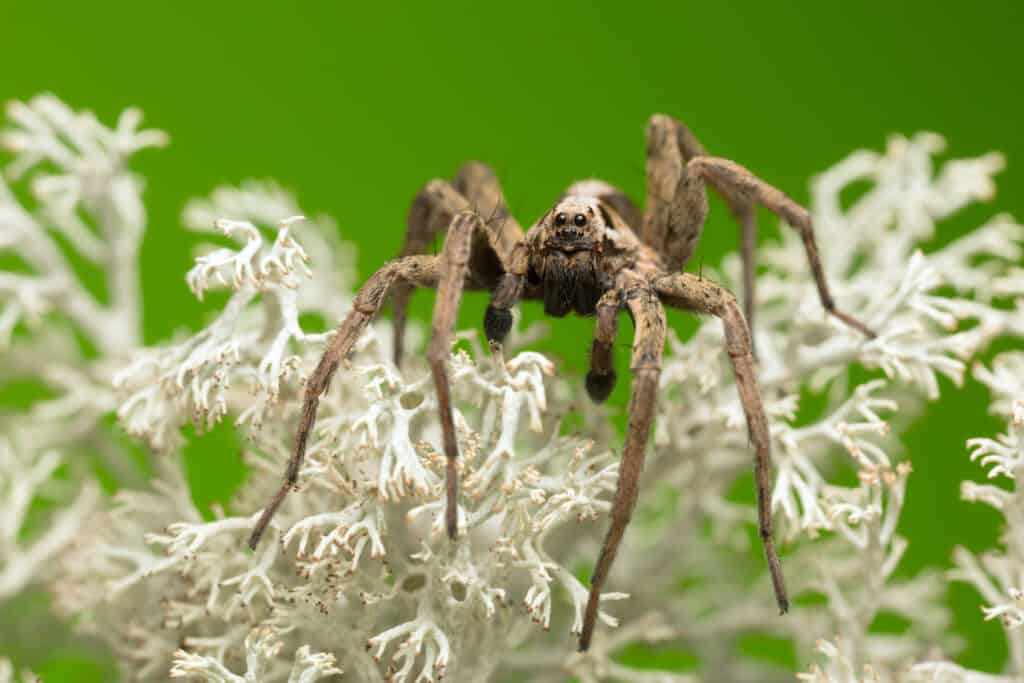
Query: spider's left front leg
x,y
690,292
648,345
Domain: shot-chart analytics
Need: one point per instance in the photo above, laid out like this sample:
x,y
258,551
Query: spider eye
x,y
561,220
580,220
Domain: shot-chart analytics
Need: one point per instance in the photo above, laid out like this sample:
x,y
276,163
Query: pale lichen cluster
x,y
356,572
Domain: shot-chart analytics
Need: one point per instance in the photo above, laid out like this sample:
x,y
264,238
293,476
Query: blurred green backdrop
x,y
355,106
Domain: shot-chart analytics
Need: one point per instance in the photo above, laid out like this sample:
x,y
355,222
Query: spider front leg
x,y
692,293
413,271
648,345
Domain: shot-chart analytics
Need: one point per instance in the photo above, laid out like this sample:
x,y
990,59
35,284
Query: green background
x,y
355,106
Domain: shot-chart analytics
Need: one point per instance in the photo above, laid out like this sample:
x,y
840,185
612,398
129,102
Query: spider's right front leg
x,y
413,271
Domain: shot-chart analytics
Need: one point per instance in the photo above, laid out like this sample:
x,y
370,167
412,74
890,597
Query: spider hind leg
x,y
677,169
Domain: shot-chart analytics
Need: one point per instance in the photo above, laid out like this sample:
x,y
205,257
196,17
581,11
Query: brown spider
x,y
594,253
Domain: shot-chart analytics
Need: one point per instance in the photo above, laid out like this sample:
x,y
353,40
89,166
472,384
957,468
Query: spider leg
x,y
676,205
747,218
431,212
418,271
675,219
478,184
455,267
675,153
601,376
692,293
648,345
729,174
505,238
475,188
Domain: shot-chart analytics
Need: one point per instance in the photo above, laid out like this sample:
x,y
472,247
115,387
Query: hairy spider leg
x,y
418,271
430,213
725,173
455,267
673,155
689,292
475,188
648,345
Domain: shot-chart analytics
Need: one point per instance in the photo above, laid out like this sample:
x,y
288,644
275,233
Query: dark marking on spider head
x,y
566,257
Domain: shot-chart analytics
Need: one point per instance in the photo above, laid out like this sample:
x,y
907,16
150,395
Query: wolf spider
x,y
594,254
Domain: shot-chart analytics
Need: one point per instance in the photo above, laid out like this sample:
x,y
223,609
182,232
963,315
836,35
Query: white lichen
x,y
85,206
9,675
356,572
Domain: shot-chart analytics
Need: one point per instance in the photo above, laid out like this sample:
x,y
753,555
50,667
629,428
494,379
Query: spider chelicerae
x,y
594,254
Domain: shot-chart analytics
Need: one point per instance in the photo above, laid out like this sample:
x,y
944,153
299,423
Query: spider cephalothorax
x,y
566,261
595,254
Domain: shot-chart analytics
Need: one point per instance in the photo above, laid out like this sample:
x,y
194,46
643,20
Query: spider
x,y
594,254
